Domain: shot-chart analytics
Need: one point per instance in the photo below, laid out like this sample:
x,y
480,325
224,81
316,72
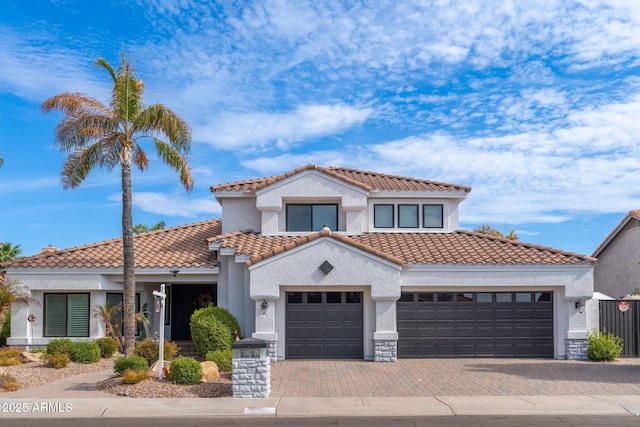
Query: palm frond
x,y
158,119
140,158
71,104
175,161
79,164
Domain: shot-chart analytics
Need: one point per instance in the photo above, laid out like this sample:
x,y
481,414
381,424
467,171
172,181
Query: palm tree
x,y
9,251
143,228
487,229
95,134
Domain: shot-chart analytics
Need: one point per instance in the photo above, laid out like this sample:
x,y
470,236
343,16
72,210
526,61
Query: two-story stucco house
x,y
330,262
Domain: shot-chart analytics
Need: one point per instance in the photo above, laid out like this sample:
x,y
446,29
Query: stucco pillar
x,y
265,314
385,337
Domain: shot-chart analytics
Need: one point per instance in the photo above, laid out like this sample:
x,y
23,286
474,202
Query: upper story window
x,y
383,216
408,216
432,216
312,217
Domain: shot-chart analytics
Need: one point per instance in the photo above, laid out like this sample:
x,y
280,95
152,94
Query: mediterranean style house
x,y
618,272
330,262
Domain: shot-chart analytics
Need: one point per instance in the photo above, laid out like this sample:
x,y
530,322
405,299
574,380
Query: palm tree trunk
x,y
129,295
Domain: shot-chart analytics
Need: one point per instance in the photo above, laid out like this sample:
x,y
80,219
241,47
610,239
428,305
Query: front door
x,y
185,299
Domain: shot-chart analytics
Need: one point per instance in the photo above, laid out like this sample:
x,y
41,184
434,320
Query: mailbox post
x,y
161,297
250,368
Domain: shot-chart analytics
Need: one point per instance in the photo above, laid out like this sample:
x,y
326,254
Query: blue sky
x,y
537,108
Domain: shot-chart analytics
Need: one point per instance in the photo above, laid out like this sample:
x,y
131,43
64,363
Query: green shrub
x,y
185,370
208,332
6,327
59,346
58,360
134,377
84,352
8,382
133,363
603,346
150,350
228,319
222,358
108,346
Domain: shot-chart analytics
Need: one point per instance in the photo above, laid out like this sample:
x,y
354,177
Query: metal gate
x,y
625,324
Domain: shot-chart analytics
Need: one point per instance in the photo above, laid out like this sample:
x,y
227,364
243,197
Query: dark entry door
x,y
475,324
324,325
185,299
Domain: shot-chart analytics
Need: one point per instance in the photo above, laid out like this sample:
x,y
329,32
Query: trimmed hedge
x,y
84,352
59,346
222,358
209,332
133,363
185,370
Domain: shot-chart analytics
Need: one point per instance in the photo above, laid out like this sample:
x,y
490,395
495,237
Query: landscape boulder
x,y
209,372
26,357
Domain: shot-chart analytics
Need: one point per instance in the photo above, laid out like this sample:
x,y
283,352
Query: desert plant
x,y
59,346
208,332
108,346
134,377
185,370
222,358
150,350
8,382
603,346
133,363
5,332
11,292
9,356
84,352
107,314
58,360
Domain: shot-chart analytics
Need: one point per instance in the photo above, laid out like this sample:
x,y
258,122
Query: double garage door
x,y
475,324
324,325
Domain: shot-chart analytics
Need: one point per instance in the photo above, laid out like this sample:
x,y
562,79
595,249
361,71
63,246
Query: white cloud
x,y
172,204
242,130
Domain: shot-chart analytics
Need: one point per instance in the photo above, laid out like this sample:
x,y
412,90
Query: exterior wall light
x,y
174,272
263,306
580,306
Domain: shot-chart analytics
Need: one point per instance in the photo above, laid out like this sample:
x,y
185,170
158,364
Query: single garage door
x,y
324,325
475,324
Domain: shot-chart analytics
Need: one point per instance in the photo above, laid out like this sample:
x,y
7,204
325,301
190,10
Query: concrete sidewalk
x,y
77,397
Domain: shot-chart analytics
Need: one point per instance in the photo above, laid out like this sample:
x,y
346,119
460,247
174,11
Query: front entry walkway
x,y
454,377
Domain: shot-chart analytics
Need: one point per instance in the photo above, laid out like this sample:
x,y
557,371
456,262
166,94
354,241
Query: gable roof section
x,y
183,246
633,215
363,179
460,247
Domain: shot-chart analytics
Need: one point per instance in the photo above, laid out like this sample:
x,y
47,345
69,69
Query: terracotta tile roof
x,y
460,247
634,214
183,246
363,179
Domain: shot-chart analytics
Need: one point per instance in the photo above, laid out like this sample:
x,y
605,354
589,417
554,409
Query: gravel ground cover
x,y
35,374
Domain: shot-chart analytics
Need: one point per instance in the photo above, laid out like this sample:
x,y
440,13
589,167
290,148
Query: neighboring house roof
x,y
363,179
633,217
460,247
182,246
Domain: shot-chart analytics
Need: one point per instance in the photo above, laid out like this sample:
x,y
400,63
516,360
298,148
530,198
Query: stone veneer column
x,y
385,350
251,377
576,349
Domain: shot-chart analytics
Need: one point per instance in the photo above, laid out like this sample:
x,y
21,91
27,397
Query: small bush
x,y
9,360
8,382
222,358
133,362
150,351
108,346
84,352
10,352
6,327
58,360
208,332
185,370
603,346
59,346
134,377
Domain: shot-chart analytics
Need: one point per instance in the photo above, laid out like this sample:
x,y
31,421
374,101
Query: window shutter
x,y
56,317
78,325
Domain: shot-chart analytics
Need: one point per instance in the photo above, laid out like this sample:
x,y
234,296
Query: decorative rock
x,y
209,371
2,372
26,357
153,370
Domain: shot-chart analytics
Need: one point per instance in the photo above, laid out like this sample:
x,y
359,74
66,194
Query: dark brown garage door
x,y
475,324
324,325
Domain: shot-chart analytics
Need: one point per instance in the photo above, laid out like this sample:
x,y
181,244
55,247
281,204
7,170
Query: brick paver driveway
x,y
454,377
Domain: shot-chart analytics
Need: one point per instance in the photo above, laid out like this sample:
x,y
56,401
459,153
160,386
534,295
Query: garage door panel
x,y
320,329
520,327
